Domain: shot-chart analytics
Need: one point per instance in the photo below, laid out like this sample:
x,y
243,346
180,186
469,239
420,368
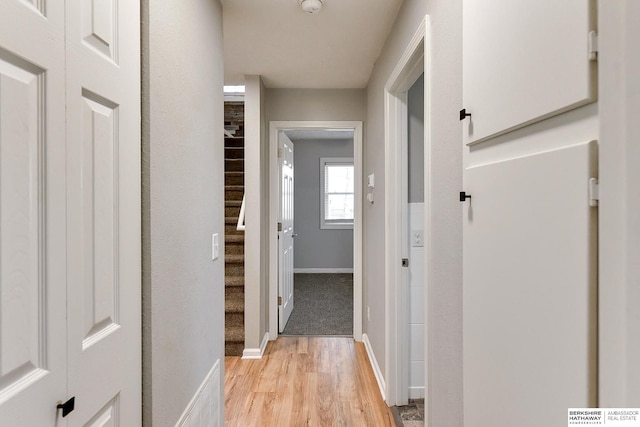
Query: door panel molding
x,y
33,335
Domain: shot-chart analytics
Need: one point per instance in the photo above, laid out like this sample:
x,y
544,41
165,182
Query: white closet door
x,y
530,290
103,156
524,61
32,213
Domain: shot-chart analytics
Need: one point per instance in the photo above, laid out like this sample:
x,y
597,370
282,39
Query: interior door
x,y
530,290
103,158
286,235
69,212
32,213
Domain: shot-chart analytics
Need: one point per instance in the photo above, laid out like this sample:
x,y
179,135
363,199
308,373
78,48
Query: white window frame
x,y
324,225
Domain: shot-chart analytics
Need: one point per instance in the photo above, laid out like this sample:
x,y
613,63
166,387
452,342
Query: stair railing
x,y
240,225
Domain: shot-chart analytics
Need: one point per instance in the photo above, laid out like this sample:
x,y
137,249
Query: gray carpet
x,y
322,305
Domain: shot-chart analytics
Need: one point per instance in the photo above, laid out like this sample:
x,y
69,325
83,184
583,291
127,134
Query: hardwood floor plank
x,y
305,381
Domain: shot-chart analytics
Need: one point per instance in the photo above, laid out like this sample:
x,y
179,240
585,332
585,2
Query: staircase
x,y
234,239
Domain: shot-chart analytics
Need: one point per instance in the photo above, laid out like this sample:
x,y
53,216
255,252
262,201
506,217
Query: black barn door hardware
x,y
67,406
464,196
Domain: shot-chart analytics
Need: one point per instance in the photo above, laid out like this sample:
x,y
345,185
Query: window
x,y
336,192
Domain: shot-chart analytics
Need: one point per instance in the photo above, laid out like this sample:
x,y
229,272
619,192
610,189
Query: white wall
x,y
415,113
444,404
183,204
416,305
316,247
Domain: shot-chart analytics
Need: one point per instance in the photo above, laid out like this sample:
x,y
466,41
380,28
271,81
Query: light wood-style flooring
x,y
305,381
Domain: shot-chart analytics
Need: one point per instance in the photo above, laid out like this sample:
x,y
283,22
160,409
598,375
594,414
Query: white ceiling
x,y
335,48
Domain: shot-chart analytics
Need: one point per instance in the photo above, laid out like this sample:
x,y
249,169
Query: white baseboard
x,y
206,405
416,392
374,365
256,353
323,270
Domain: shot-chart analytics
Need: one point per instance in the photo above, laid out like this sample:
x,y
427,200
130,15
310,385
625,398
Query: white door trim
x,y
274,128
414,61
619,233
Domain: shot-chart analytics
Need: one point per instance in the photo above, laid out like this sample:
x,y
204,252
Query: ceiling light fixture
x,y
311,6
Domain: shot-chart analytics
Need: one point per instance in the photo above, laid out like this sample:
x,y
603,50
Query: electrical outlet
x,y
215,247
417,238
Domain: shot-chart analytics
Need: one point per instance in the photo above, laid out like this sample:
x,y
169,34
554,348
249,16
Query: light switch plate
x,y
215,247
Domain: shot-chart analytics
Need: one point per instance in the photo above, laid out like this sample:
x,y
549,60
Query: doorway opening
x,y
323,202
334,166
406,241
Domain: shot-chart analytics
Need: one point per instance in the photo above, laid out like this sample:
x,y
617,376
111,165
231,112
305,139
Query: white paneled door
x,y
103,197
33,335
69,212
286,235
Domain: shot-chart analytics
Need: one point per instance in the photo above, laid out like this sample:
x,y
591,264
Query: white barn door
x,y
33,332
69,212
103,196
530,289
529,228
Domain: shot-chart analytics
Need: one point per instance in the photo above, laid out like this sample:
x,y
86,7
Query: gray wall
x,y
416,141
256,242
183,203
316,247
316,104
444,322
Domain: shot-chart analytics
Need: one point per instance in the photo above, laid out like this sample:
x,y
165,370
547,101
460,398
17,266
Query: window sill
x,y
336,226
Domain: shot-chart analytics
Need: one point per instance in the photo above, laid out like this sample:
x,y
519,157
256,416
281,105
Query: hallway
x,y
324,381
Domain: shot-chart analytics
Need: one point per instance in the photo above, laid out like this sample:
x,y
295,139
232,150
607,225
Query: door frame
x,y
414,61
619,233
274,128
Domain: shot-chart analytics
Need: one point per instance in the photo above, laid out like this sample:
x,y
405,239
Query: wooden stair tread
x,y
234,281
234,333
234,304
231,220
234,259
236,187
234,238
233,348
